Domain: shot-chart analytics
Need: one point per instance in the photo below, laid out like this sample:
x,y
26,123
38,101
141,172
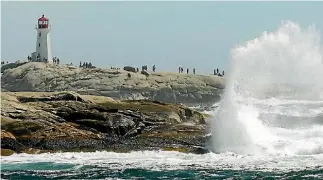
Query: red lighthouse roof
x,y
43,18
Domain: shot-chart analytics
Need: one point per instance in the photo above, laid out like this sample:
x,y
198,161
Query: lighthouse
x,y
43,45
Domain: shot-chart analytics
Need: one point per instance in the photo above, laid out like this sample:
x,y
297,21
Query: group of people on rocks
x,y
181,70
55,59
145,68
2,62
86,65
216,72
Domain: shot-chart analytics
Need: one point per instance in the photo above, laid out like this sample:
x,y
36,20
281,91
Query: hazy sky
x,y
168,34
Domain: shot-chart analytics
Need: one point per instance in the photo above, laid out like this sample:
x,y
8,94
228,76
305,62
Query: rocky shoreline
x,y
36,122
189,89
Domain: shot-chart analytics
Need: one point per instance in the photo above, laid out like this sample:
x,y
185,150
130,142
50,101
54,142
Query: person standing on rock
x,y
217,71
193,70
222,73
80,64
154,68
187,70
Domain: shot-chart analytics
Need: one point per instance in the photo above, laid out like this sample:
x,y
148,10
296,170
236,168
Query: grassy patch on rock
x,y
6,152
21,127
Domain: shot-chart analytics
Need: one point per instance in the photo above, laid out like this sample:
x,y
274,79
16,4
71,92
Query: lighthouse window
x,y
39,34
38,44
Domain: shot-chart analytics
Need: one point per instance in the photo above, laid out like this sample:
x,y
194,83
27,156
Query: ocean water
x,y
268,125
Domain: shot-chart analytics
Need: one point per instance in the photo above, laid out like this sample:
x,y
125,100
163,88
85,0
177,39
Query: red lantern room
x,y
43,22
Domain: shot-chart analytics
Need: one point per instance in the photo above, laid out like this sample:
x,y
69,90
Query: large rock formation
x,y
35,122
166,87
11,66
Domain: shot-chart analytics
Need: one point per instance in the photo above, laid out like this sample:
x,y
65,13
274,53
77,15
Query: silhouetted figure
x,y
57,61
214,72
144,68
129,75
54,60
217,71
2,62
80,64
179,69
38,57
223,73
182,69
154,68
86,65
137,69
193,70
83,65
187,70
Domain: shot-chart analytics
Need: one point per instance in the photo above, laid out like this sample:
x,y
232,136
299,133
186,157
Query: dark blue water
x,y
46,170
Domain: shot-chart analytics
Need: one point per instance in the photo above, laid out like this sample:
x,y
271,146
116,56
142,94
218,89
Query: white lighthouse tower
x,y
43,45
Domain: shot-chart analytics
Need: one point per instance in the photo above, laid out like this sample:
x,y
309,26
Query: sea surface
x,y
268,124
160,165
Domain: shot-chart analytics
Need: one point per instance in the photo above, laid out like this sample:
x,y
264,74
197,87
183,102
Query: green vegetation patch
x,y
21,128
6,152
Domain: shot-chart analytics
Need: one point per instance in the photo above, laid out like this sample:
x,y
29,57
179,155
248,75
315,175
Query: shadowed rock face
x,y
166,87
37,122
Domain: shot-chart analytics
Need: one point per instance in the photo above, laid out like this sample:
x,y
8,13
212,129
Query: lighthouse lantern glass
x,y
43,24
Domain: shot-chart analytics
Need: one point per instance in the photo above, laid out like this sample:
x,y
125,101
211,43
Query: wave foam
x,y
168,160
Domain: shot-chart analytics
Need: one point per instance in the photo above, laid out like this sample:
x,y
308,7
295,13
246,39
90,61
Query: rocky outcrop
x,y
130,69
167,87
11,66
37,122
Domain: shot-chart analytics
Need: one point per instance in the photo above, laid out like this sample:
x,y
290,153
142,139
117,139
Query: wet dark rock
x,y
72,122
130,69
